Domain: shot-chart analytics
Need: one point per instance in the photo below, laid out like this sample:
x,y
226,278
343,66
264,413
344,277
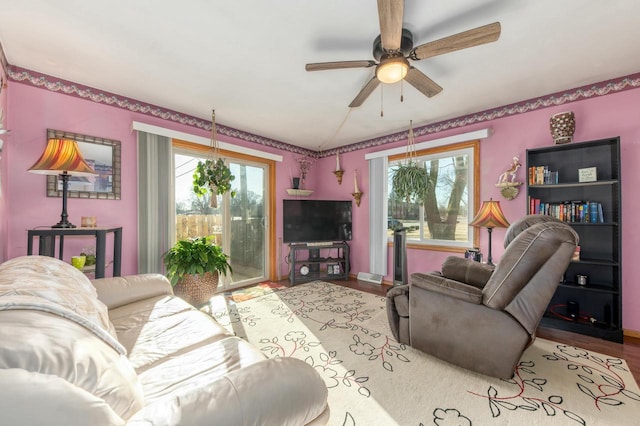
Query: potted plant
x,y
212,176
410,182
305,164
194,266
410,179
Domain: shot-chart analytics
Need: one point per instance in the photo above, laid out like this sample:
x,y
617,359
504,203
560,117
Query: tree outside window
x,y
443,219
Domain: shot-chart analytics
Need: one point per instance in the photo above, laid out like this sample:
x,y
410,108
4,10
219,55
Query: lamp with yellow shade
x,y
490,216
62,157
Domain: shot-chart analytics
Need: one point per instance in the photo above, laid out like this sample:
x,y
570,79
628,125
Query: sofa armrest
x,y
277,391
445,286
119,291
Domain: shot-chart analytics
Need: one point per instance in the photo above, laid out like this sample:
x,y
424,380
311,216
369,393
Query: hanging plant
x,y
213,175
410,182
410,179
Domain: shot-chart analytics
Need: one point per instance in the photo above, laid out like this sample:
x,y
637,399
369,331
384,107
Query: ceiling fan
x,y
393,48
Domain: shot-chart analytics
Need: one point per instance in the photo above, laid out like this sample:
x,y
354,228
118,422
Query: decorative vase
x,y
562,125
296,183
197,289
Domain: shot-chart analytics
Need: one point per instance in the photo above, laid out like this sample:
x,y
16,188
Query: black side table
x,y
47,244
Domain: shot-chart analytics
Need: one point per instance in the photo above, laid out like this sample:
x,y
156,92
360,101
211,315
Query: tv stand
x,y
315,262
320,244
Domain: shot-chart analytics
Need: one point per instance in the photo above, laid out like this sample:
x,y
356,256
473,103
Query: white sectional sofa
x,y
124,350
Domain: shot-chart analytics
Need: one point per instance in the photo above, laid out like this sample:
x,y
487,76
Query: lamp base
x,y
64,221
489,259
62,224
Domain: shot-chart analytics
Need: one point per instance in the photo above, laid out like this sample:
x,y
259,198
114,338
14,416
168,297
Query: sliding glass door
x,y
238,224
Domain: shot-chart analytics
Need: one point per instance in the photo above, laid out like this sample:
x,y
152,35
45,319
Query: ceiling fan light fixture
x,y
392,69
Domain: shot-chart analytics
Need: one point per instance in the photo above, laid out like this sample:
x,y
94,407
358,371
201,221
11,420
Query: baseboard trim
x,y
631,333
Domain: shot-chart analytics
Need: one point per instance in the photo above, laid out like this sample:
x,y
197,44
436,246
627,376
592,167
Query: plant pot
x,y
213,201
296,183
197,289
562,126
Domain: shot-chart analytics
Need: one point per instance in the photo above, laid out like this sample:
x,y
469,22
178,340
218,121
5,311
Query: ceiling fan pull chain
x,y
402,90
382,100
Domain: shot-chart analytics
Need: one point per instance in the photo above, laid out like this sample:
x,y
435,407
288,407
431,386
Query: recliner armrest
x,y
467,271
445,286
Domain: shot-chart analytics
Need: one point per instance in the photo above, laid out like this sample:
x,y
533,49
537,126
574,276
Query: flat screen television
x,y
306,221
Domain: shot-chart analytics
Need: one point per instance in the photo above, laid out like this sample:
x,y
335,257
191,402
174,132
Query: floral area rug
x,y
374,380
248,293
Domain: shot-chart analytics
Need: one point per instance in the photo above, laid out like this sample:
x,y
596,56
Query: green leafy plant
x,y
195,256
212,176
90,254
410,182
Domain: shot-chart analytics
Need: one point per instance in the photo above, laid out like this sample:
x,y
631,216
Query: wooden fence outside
x,y
247,236
199,225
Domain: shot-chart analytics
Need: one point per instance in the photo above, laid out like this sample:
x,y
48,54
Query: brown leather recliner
x,y
478,317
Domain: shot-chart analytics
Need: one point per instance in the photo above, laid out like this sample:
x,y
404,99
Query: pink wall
x,y
596,118
3,169
32,110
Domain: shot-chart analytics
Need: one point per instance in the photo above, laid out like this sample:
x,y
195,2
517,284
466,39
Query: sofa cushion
x,y
49,345
156,329
197,367
176,348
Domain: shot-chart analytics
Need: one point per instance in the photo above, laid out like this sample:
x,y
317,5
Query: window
x,y
443,220
239,224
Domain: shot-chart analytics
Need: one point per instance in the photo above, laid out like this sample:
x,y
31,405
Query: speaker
x,y
314,254
573,309
400,256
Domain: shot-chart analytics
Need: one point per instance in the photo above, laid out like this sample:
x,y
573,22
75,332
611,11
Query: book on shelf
x,y
576,254
600,214
541,175
573,211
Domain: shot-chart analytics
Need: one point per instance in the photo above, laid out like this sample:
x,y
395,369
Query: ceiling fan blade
x,y
475,37
365,92
391,13
424,84
321,66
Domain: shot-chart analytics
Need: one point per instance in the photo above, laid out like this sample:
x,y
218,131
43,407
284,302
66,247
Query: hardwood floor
x,y
629,350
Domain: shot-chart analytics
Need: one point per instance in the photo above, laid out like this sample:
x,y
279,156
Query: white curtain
x,y
155,179
378,216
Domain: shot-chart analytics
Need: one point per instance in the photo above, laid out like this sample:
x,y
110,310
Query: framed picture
x,y
103,155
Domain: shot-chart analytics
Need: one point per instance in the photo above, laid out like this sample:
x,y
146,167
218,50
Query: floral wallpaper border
x,y
58,85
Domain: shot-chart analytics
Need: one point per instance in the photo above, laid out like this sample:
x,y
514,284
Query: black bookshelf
x,y
599,301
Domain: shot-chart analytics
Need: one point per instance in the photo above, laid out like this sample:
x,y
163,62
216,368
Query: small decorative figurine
x,y
507,180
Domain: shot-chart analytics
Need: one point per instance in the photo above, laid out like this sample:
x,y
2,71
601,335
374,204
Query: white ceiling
x,y
246,58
